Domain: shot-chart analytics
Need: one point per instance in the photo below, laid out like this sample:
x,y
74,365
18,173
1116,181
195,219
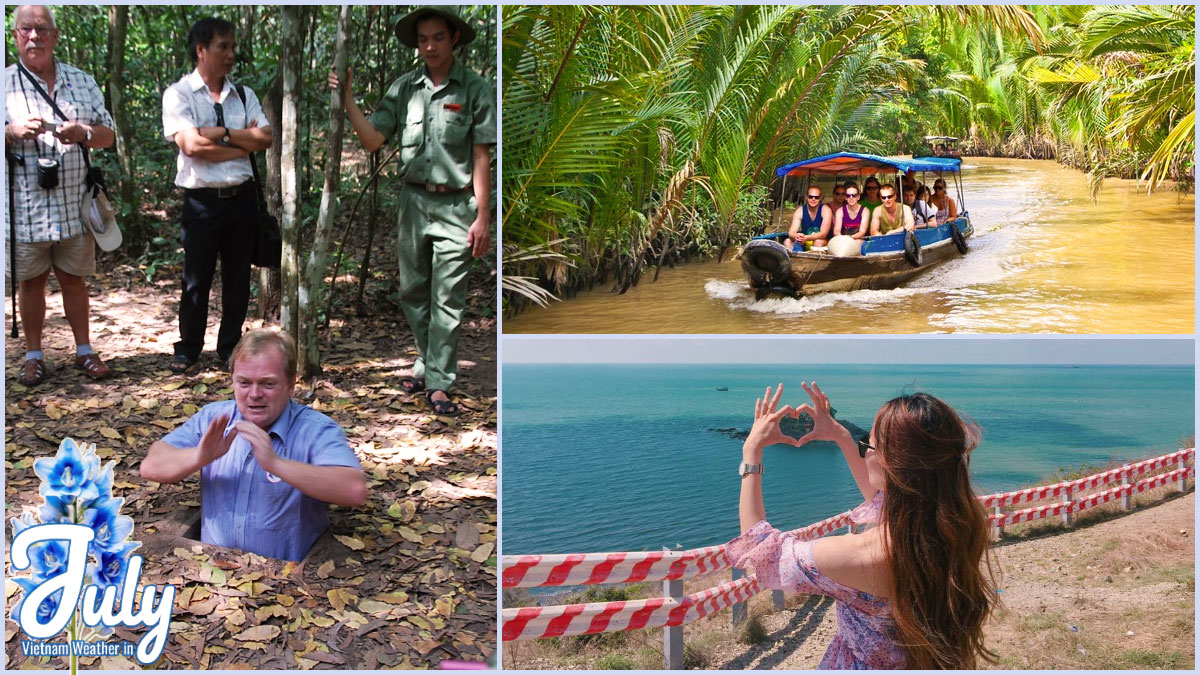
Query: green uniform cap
x,y
406,27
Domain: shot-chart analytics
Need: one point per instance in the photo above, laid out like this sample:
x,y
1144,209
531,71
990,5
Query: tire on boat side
x,y
960,242
766,262
912,249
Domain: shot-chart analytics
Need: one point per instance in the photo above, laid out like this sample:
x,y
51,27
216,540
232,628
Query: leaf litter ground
x,y
408,580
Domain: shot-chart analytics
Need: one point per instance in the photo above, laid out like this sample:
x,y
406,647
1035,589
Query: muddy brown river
x,y
1045,258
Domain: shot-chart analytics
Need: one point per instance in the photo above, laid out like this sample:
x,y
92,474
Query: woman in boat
x,y
852,219
890,217
924,215
912,592
811,222
943,202
839,198
870,196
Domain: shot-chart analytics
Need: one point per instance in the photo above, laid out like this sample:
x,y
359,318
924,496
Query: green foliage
x,y
753,632
615,662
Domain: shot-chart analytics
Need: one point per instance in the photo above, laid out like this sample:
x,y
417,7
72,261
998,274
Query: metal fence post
x,y
998,530
1127,498
739,608
777,600
673,635
1182,481
1066,514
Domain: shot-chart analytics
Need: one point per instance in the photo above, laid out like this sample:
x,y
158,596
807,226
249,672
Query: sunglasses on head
x,y
864,445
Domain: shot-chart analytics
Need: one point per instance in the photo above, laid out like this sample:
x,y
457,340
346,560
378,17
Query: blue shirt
x,y
244,507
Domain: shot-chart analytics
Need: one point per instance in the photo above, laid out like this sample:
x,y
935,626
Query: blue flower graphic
x,y
110,570
69,471
54,510
111,528
99,488
48,559
46,609
75,489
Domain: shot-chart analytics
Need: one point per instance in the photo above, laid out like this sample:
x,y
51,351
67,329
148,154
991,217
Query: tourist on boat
x,y
811,222
943,202
914,590
909,184
870,196
839,197
852,219
891,217
924,215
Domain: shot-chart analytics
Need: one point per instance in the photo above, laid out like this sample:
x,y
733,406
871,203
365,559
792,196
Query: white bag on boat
x,y
845,246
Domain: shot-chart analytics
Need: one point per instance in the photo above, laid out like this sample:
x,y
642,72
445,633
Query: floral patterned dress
x,y
865,637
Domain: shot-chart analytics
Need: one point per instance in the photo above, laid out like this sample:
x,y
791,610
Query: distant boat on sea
x,y
722,388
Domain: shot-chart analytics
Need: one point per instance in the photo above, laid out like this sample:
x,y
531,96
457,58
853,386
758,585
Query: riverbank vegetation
x,y
637,137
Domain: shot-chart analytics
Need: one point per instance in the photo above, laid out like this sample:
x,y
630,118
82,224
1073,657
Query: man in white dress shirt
x,y
217,134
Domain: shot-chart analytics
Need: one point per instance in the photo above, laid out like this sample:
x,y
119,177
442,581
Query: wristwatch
x,y
225,138
745,469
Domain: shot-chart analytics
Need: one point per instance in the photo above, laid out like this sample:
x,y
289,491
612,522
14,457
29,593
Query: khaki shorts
x,y
74,256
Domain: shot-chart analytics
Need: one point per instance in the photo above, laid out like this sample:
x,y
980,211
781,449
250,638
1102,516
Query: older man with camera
x,y
52,110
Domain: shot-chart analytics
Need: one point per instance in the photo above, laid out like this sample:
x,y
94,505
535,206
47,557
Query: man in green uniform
x,y
444,117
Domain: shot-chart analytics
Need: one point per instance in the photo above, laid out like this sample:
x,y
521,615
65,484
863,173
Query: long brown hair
x,y
938,552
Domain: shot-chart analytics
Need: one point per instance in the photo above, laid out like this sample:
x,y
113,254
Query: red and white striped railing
x,y
1103,478
526,571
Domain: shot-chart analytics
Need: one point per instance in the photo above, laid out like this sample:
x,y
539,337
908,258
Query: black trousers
x,y
215,228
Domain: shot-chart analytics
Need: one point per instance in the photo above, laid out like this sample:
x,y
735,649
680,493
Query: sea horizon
x,y
617,457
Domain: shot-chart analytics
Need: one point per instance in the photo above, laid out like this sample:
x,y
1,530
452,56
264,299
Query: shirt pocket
x,y
414,127
277,507
455,127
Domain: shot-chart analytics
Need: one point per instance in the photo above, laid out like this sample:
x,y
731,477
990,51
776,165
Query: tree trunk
x,y
290,58
118,22
313,284
268,279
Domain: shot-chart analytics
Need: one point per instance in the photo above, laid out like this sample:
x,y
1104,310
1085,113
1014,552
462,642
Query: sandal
x,y
33,373
412,385
92,366
180,364
448,408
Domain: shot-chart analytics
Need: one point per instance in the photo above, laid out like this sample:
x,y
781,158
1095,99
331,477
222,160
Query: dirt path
x,y
408,580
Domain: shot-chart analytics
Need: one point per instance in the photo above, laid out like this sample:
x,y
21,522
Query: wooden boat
x,y
885,261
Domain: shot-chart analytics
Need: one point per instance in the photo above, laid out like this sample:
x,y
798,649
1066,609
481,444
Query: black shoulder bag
x,y
268,244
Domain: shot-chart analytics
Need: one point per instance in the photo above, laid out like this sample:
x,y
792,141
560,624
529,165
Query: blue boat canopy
x,y
855,163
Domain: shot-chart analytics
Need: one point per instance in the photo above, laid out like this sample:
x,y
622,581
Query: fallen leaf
x,y
374,606
325,568
426,646
482,553
263,632
350,542
110,433
53,411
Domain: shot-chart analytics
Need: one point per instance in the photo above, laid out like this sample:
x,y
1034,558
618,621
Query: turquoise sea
x,y
628,457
